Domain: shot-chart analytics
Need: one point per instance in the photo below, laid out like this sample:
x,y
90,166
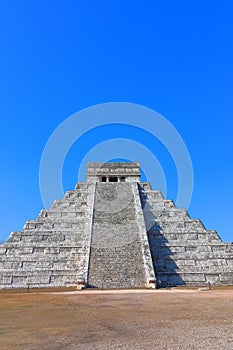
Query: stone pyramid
x,y
114,231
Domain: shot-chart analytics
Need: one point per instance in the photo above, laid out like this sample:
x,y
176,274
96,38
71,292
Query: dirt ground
x,y
142,319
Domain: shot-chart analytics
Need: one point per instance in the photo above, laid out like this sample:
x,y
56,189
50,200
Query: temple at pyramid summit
x,y
114,231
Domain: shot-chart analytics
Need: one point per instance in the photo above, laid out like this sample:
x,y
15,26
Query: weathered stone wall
x,y
52,250
130,171
183,251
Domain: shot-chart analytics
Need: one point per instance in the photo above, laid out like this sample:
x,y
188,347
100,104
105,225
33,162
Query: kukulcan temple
x,y
114,231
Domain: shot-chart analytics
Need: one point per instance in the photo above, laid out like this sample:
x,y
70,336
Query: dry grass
x,y
175,319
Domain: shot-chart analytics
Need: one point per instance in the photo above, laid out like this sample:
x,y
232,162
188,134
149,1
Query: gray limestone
x,y
113,172
114,233
117,247
183,251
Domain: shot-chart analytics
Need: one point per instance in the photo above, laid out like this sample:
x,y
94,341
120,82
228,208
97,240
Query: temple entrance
x,y
113,179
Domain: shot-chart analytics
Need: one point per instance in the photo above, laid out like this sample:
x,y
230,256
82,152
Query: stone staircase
x,y
183,251
116,258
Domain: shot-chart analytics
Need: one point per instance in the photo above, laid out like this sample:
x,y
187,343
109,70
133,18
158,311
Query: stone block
x,y
30,224
14,237
5,280
226,278
19,251
52,250
37,265
2,250
185,262
10,265
38,279
212,278
194,278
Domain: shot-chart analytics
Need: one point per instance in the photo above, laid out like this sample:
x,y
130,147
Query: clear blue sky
x,y
58,57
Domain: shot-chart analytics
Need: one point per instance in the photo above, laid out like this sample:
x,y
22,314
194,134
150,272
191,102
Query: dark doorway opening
x,y
112,179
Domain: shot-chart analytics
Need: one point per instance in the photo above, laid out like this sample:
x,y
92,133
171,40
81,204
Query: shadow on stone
x,y
166,270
